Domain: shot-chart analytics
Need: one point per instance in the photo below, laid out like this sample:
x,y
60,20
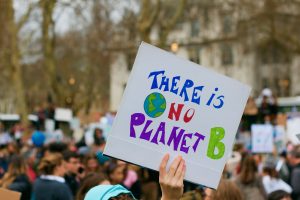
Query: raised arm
x,y
171,181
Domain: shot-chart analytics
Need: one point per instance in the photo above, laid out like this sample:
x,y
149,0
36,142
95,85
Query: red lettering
x,y
187,118
175,112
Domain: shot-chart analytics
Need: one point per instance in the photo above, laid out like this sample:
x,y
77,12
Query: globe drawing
x,y
155,105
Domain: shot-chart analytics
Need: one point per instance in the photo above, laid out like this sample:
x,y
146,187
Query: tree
x,y
48,43
11,56
164,15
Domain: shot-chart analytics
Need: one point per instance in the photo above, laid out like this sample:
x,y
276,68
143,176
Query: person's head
x,y
109,192
55,147
98,137
17,166
294,155
91,180
248,170
269,169
91,163
72,161
115,173
279,195
12,148
227,190
52,164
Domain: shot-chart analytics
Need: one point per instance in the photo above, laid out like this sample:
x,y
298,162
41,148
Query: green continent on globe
x,y
155,105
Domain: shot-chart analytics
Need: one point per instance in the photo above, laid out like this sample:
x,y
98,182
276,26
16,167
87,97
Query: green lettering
x,y
216,135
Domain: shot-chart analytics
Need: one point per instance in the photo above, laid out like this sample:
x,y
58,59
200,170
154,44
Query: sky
x,y
65,17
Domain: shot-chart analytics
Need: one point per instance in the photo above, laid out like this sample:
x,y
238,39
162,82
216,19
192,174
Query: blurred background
x,y
78,54
64,65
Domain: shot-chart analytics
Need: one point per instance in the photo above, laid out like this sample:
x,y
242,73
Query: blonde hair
x,y
49,163
16,167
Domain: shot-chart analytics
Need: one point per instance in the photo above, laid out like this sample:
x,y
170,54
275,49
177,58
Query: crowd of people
x,y
76,169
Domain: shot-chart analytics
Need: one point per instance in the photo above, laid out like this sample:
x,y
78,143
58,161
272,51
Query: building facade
x,y
212,37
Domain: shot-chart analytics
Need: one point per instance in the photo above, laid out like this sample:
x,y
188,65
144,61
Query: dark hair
x,y
270,171
57,147
49,163
122,197
92,179
69,154
296,151
278,195
97,140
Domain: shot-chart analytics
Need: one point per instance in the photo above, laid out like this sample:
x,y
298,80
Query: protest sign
x,y
262,138
63,114
171,105
293,128
279,138
9,194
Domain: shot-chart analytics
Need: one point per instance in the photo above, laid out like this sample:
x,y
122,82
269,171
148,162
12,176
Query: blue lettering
x,y
196,95
154,82
188,84
174,84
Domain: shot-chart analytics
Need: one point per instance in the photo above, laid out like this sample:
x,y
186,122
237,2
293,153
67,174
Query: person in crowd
x,y
55,147
149,180
295,174
30,159
250,115
273,108
91,180
16,179
98,136
171,183
265,109
51,184
72,170
259,162
99,140
282,167
249,182
279,195
227,190
116,172
91,164
131,180
271,181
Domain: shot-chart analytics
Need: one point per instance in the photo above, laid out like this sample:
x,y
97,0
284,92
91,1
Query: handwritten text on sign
x,y
155,106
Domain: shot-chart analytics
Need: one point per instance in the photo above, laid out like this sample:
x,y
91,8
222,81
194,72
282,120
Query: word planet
x,y
155,105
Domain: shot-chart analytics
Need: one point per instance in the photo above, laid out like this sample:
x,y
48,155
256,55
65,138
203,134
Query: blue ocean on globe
x,y
155,105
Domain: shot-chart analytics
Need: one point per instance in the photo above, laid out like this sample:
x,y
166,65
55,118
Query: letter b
x,y
216,135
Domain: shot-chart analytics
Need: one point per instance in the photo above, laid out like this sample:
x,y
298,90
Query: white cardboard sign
x,y
63,114
262,138
171,105
293,128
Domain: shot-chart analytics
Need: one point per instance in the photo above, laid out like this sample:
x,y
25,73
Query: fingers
x,y
174,166
179,170
182,174
163,165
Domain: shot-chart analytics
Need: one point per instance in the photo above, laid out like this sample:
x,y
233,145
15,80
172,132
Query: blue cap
x,y
104,192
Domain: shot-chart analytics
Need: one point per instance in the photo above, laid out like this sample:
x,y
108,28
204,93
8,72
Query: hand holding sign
x,y
171,181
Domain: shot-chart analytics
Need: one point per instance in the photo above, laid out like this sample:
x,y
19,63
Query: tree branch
x,y
25,17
